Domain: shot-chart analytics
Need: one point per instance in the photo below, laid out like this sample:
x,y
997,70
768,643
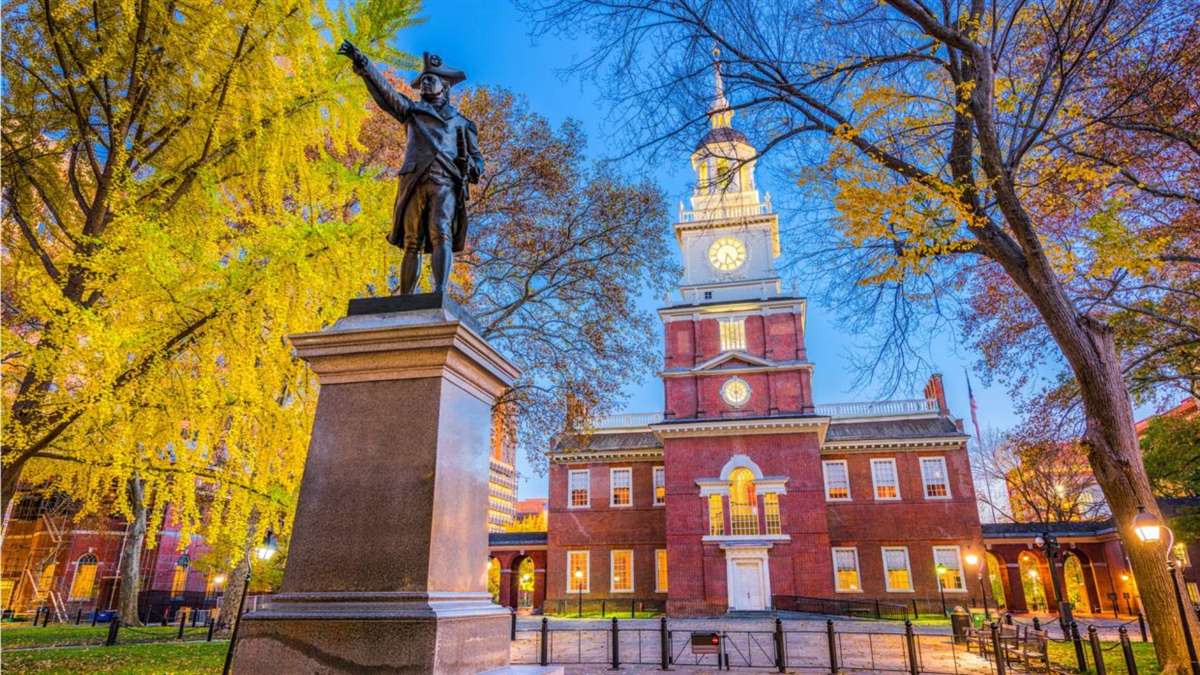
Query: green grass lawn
x,y
590,614
18,635
169,657
1063,653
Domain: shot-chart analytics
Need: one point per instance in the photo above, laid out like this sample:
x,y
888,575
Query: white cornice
x,y
593,456
743,370
742,427
733,307
907,444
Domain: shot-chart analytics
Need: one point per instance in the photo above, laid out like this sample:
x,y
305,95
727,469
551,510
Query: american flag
x,y
974,408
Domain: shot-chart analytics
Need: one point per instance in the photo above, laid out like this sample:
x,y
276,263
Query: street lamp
x,y
265,551
975,561
579,587
1049,544
1149,529
941,569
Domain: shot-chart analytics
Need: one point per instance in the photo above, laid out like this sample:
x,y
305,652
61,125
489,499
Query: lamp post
x,y
1149,529
941,569
1049,544
977,562
264,551
524,582
579,587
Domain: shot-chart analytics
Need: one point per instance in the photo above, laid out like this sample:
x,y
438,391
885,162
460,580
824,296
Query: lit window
x,y
716,516
578,572
46,581
622,572
845,570
837,480
622,487
579,489
896,573
733,334
883,476
1181,554
948,557
771,514
660,571
179,578
743,504
933,474
660,486
85,578
1193,592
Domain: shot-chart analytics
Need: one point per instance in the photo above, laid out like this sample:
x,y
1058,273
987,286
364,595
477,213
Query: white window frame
x,y
587,473
587,572
660,560
875,479
887,582
732,334
612,563
825,464
925,477
612,492
962,574
659,472
857,569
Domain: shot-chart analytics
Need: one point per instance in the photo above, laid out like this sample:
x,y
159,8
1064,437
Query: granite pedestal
x,y
387,566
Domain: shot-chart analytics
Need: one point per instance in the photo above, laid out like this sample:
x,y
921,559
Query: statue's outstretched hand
x,y
348,49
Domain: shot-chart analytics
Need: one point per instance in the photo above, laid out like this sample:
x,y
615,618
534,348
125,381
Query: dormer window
x,y
733,334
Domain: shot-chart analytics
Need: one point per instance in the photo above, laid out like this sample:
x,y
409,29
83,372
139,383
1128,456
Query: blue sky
x,y
490,40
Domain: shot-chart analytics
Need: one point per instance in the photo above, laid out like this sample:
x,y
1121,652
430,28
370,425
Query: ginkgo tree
x,y
940,137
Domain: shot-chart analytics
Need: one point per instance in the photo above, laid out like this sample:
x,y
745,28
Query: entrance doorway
x,y
748,578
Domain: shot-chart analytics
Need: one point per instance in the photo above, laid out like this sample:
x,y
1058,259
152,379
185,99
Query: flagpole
x,y
987,483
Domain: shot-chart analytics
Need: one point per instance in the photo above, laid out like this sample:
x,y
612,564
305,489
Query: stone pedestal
x,y
387,566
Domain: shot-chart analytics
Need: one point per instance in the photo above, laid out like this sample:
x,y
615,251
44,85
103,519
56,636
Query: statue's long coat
x,y
432,137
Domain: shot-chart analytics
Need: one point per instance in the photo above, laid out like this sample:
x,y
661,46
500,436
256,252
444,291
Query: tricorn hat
x,y
433,64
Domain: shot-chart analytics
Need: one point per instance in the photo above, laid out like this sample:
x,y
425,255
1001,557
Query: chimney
x,y
935,390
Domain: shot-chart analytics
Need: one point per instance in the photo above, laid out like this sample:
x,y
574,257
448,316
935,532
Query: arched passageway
x,y
997,574
1032,582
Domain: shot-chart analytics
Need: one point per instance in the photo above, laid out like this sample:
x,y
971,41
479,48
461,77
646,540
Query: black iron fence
x,y
872,609
1030,647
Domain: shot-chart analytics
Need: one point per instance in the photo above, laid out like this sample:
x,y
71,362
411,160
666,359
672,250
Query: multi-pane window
x,y
950,569
579,489
837,480
733,334
179,578
660,486
845,570
578,572
1181,554
716,516
622,572
933,475
622,487
660,571
896,574
85,578
771,513
1193,592
883,477
743,504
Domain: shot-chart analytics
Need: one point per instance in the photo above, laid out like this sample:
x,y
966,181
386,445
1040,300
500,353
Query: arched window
x,y
85,578
179,578
743,504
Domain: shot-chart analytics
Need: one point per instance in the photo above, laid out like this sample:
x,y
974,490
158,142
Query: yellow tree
x,y
943,133
170,213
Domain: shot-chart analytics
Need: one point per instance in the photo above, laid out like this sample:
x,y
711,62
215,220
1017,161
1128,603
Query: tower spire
x,y
719,112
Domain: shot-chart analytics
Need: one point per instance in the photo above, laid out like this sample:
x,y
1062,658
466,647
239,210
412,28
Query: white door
x,y
748,585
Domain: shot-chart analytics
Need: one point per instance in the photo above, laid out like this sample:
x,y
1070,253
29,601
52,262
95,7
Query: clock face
x,y
727,254
736,392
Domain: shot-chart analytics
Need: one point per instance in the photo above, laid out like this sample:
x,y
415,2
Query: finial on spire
x,y
719,112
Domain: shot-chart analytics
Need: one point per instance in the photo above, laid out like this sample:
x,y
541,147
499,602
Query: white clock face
x,y
727,254
736,392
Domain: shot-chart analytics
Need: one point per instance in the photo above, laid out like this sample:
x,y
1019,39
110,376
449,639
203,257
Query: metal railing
x,y
914,406
868,609
626,420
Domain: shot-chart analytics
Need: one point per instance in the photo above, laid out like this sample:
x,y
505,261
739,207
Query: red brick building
x,y
743,493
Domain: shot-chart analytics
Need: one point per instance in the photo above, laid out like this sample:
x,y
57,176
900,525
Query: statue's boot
x,y
409,267
443,260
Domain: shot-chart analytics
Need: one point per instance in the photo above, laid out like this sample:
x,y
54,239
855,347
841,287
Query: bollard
x,y
1097,654
78,615
1142,627
877,614
603,609
722,657
664,644
616,645
914,665
832,640
780,647
998,650
545,646
1037,624
193,614
182,625
1080,659
211,626
1127,651
916,614
512,633
633,609
46,618
1008,620
113,627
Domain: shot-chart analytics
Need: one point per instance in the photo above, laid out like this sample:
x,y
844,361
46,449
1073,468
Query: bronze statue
x,y
442,157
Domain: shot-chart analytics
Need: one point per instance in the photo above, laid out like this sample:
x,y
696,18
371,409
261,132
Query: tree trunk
x,y
9,478
131,563
233,595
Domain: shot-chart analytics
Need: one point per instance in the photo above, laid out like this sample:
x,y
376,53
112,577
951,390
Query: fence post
x,y
1142,626
780,647
1008,618
832,638
1127,651
633,609
616,645
916,614
1080,659
46,619
722,657
877,614
193,615
664,644
914,665
182,625
211,626
78,616
1097,654
94,612
544,642
146,621
603,608
998,650
1037,624
164,616
113,627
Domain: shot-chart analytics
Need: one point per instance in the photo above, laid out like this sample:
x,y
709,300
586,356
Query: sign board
x,y
706,643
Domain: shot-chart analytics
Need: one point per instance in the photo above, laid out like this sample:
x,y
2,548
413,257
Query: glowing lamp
x,y
972,559
1147,525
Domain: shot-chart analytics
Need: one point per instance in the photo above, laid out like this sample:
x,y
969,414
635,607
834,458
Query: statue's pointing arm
x,y
393,102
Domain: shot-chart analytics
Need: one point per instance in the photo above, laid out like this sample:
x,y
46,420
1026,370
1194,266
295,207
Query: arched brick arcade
x,y
522,559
